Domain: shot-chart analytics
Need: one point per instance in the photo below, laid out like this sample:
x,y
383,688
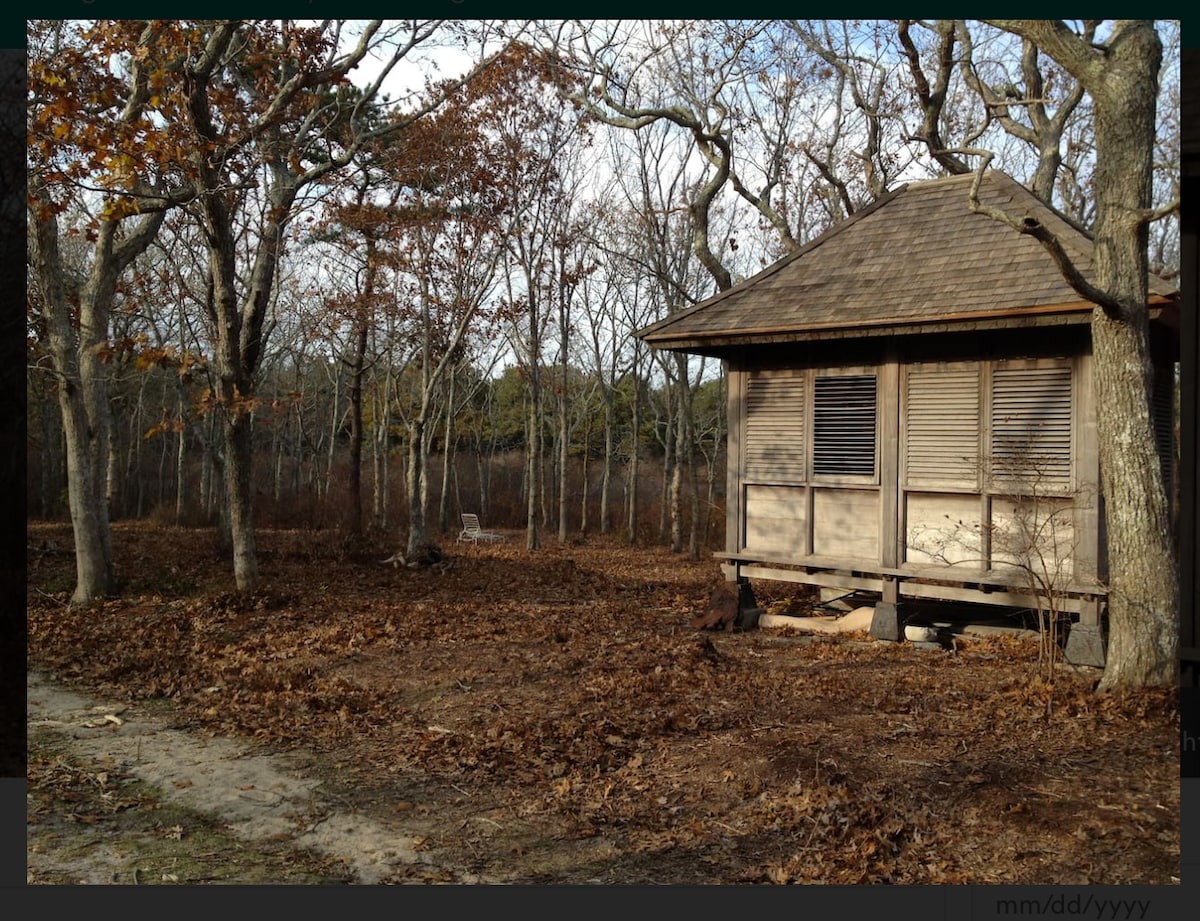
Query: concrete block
x,y
885,623
1085,645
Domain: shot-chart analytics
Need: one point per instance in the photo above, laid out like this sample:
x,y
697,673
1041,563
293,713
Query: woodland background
x,y
450,323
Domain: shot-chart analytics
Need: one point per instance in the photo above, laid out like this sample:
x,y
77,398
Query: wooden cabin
x,y
910,404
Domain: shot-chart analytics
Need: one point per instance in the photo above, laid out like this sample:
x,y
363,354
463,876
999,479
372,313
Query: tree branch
x,y
1036,229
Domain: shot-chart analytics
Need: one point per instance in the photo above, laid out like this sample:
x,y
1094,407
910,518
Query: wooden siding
x,y
735,508
950,416
1090,562
777,520
1031,427
846,524
1034,536
944,529
941,425
774,429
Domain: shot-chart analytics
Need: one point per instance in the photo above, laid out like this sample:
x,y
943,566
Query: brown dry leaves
x,y
565,689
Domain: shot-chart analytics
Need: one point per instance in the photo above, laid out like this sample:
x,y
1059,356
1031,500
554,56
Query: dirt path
x,y
258,800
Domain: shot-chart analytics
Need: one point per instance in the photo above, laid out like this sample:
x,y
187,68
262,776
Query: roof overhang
x,y
718,342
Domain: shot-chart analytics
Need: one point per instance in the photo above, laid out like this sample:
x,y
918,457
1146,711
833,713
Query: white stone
x,y
917,634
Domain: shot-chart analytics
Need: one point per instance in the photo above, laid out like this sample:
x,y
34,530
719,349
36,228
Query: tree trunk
x,y
180,457
354,520
83,398
666,516
635,435
563,457
334,424
239,492
447,456
381,446
89,517
1143,602
585,477
1144,599
676,493
606,474
534,448
415,483
1143,593
694,494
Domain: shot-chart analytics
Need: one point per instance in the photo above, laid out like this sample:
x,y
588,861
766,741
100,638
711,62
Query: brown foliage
x,y
558,714
722,610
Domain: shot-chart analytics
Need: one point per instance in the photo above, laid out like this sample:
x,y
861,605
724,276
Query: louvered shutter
x,y
1031,427
1164,426
774,439
941,426
844,425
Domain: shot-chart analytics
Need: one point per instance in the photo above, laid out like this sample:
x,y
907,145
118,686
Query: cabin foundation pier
x,y
748,609
1085,645
1085,639
886,621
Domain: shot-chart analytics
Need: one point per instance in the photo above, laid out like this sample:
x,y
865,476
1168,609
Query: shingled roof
x,y
915,260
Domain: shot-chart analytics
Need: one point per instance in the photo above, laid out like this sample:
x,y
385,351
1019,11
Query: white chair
x,y
471,531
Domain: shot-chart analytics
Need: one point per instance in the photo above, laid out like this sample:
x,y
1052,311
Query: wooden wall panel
x,y
1035,535
944,528
777,520
846,524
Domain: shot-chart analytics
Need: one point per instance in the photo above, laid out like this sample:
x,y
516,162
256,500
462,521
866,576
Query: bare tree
x,y
291,126
121,202
1120,73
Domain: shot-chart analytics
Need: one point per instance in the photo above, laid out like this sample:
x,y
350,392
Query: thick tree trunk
x,y
1143,589
1143,593
89,517
1143,576
83,399
1143,602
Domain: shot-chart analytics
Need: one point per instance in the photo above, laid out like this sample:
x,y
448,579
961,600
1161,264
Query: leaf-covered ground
x,y
556,718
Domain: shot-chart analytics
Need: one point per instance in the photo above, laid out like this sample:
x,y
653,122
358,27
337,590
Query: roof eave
x,y
718,341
